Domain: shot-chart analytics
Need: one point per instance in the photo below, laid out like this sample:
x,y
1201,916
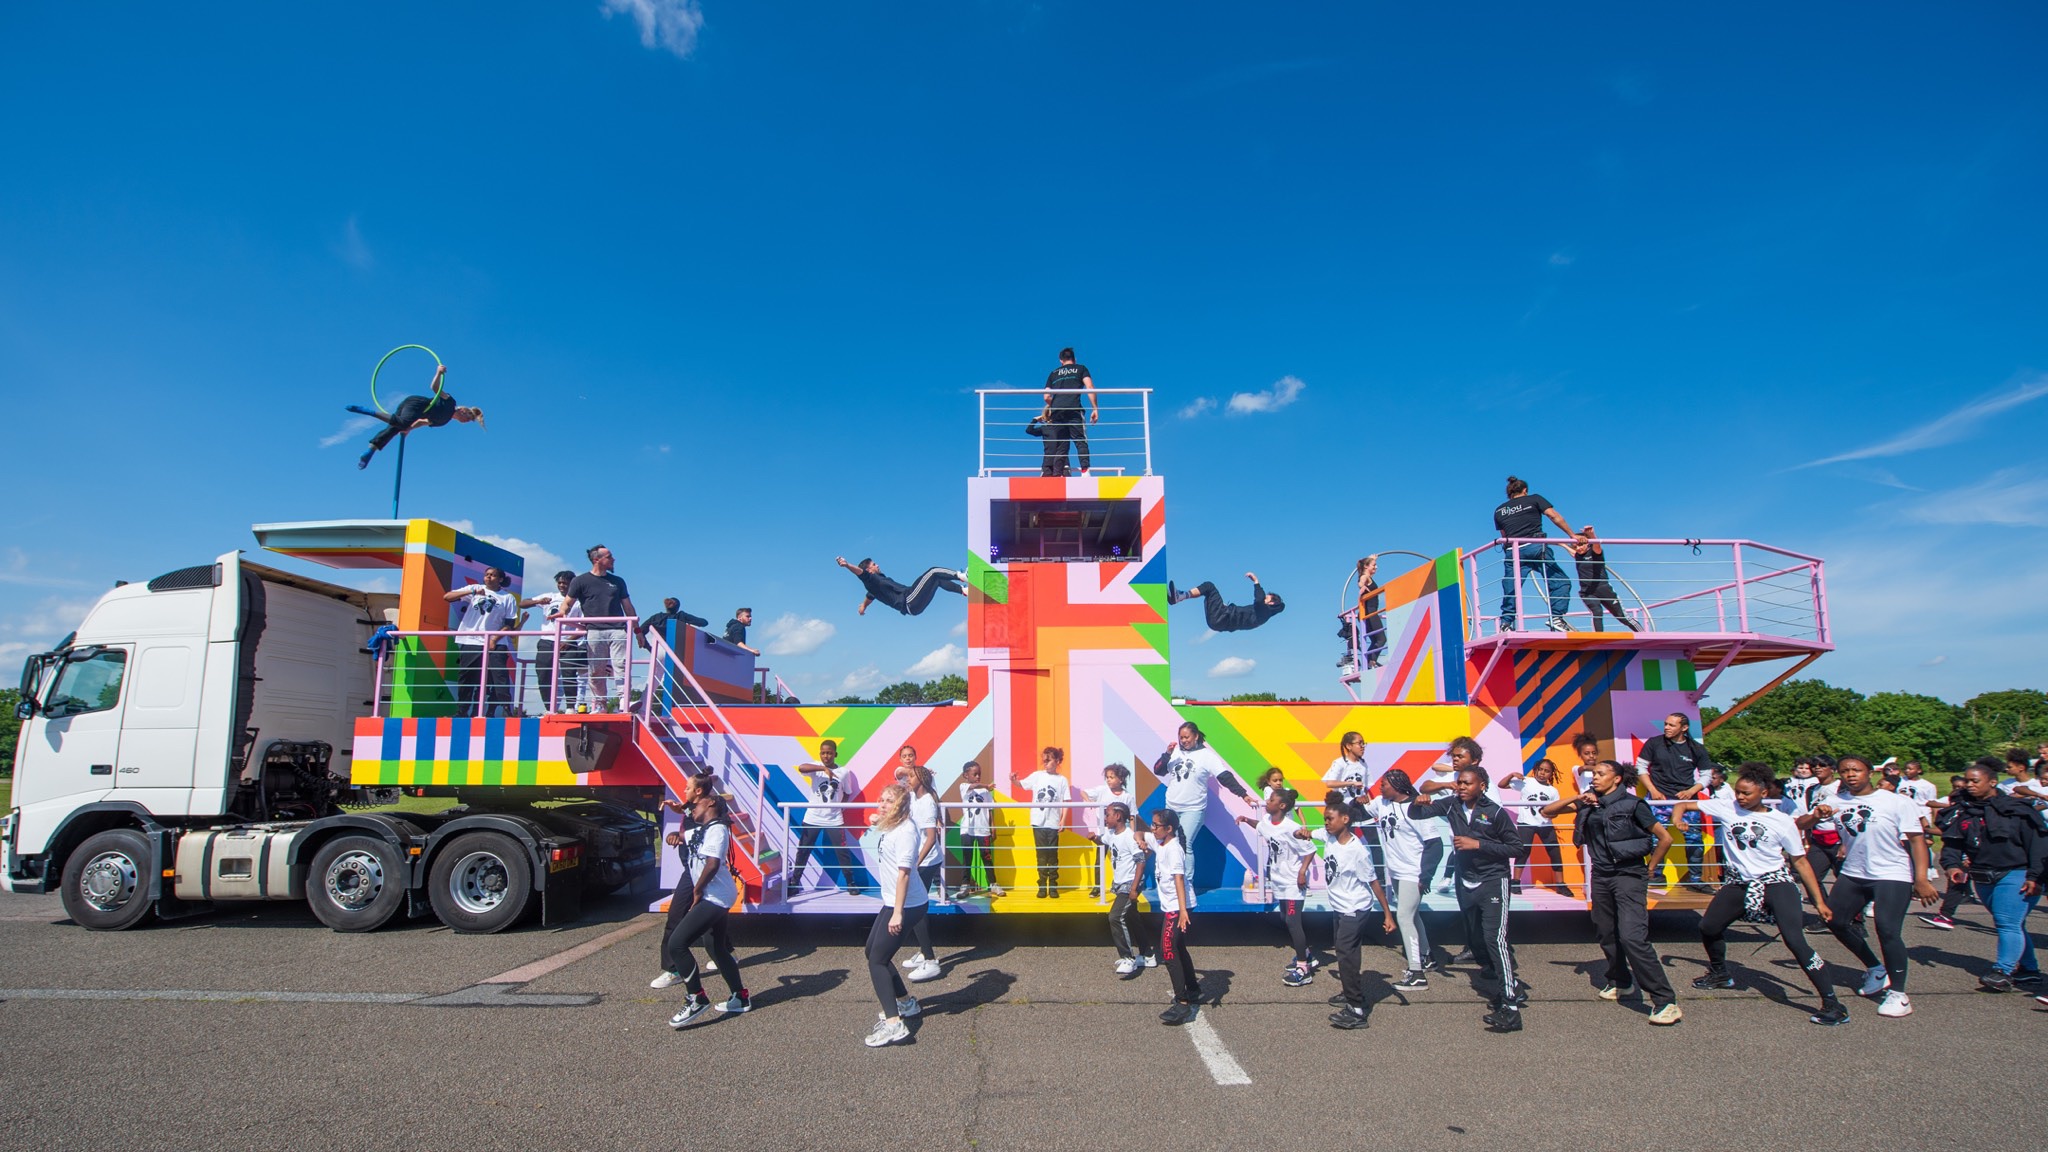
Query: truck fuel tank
x,y
249,862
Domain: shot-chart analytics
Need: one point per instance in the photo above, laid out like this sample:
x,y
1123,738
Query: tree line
x,y
1804,717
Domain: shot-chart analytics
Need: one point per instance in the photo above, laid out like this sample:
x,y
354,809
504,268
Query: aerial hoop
x,y
1346,598
440,374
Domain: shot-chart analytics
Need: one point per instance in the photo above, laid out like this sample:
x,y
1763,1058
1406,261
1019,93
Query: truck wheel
x,y
356,883
480,882
106,880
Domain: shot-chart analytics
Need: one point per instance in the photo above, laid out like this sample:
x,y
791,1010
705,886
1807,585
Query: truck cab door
x,y
71,747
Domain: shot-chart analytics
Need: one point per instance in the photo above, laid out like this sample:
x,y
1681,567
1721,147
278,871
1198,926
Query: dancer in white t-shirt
x,y
924,813
1050,792
1354,888
1288,853
1125,848
1539,788
1884,865
893,851
708,871
1176,899
977,835
1186,768
1114,789
824,826
1348,772
1408,856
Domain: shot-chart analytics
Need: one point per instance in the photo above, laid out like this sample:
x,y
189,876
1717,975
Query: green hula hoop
x,y
439,378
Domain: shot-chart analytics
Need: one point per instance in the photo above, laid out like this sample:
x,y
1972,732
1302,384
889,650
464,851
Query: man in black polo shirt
x,y
1520,517
1675,762
1063,390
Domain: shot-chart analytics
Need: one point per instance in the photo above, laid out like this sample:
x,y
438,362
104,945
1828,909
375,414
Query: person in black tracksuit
x,y
1486,842
1224,617
1619,835
1674,762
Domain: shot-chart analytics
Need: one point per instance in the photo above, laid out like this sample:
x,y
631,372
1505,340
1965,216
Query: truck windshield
x,y
92,684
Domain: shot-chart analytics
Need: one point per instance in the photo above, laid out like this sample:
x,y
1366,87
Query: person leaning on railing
x,y
563,669
486,608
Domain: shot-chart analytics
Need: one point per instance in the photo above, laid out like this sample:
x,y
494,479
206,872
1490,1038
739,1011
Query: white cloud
x,y
960,629
35,629
540,563
939,662
1197,406
1561,259
671,25
866,678
350,428
1936,662
1284,391
1945,429
351,250
791,635
2010,497
1206,636
1232,667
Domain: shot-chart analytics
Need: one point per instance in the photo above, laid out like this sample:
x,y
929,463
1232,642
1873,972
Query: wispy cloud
x,y
352,250
1284,391
866,678
1232,668
2012,498
1197,406
793,635
959,629
16,567
36,629
949,660
1945,429
670,25
350,428
1562,259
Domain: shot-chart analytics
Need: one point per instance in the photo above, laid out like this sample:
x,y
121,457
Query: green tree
x,y
2003,719
1263,698
10,728
1923,728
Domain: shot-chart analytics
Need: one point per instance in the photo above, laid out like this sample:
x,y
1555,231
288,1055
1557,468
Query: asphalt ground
x,y
255,1027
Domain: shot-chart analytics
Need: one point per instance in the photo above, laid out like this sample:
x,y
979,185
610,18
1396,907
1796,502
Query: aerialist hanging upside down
x,y
1231,617
908,600
413,413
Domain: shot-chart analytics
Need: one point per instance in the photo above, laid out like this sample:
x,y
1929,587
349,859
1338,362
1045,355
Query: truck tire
x,y
106,880
481,882
356,883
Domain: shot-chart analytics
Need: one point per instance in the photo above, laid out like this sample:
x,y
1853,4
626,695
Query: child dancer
x,y
977,837
1270,781
1348,771
1176,896
1354,886
1539,789
1288,852
1114,789
1407,853
1049,791
1122,845
1759,841
1486,842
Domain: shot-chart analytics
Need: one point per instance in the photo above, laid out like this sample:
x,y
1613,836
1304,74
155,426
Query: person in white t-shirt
x,y
1884,864
1186,768
977,834
1538,788
1176,898
708,871
1714,787
1270,781
924,813
1439,777
558,657
1114,789
1354,888
1348,772
893,853
1124,849
1760,841
482,675
824,826
1405,852
1288,852
1914,786
1050,791
1587,746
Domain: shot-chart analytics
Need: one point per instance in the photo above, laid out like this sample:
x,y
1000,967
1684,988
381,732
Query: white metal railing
x,y
1113,434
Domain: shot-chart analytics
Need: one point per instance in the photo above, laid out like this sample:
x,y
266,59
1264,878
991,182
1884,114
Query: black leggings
x,y
1599,594
1783,902
922,931
1290,914
1892,897
1048,840
1825,858
1546,835
882,946
1432,855
1173,952
703,918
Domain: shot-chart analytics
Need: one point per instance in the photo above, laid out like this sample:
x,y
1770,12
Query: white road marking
x,y
1223,1067
546,964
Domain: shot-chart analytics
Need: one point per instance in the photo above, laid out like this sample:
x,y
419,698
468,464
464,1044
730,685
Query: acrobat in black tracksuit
x,y
1483,884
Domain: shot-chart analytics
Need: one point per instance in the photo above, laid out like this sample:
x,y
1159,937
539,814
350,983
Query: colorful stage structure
x,y
1068,647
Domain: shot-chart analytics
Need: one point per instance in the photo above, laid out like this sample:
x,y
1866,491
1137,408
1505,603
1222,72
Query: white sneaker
x,y
929,970
692,1008
915,959
666,980
1875,981
1557,624
1895,1004
1126,966
734,1005
887,1032
1151,961
908,1007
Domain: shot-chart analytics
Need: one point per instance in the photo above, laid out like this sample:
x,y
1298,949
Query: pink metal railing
x,y
506,677
1694,587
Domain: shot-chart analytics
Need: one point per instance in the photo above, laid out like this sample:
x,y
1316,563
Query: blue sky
x,y
725,276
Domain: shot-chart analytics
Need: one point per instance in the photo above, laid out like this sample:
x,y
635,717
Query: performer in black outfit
x,y
1486,843
1064,387
1231,617
1593,586
415,412
909,600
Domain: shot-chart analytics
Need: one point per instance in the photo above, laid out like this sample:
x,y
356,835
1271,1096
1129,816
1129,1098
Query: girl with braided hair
x,y
1176,896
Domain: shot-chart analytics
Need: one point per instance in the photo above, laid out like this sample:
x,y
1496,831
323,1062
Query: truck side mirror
x,y
25,708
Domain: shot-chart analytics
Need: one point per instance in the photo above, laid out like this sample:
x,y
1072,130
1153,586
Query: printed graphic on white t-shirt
x,y
1348,864
709,844
1048,788
1401,839
1872,827
974,810
892,852
1123,852
1284,854
826,788
1170,860
1756,843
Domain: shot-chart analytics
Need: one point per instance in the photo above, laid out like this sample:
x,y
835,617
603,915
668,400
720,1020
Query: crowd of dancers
x,y
1381,840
